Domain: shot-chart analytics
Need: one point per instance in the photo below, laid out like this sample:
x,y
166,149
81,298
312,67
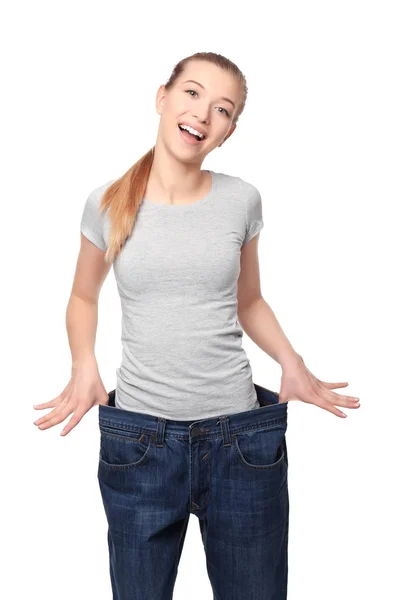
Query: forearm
x,y
81,322
261,325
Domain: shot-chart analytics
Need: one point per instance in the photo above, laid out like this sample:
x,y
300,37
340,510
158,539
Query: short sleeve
x,y
92,221
254,217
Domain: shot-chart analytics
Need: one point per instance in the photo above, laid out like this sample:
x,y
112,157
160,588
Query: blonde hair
x,y
124,196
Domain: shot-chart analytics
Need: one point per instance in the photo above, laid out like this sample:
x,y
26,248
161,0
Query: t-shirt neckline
x,y
190,206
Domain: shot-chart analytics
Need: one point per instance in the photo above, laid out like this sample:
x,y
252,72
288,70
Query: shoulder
x,y
95,195
94,222
249,198
246,194
239,185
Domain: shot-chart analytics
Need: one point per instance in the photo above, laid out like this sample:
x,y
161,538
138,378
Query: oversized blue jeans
x,y
230,471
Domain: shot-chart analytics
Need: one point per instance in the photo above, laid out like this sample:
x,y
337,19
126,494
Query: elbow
x,y
246,306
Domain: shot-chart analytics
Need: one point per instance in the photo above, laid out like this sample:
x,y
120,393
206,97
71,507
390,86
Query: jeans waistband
x,y
269,413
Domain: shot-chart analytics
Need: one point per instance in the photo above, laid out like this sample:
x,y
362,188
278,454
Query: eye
x,y
226,112
194,91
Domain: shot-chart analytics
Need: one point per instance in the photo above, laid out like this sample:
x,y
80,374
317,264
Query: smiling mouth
x,y
192,134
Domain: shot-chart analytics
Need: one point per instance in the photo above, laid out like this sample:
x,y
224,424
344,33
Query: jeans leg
x,y
245,530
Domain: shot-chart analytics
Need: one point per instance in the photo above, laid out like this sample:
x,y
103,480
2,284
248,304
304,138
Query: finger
x,y
46,404
351,405
57,418
323,402
50,415
60,404
348,401
334,410
74,420
331,386
45,418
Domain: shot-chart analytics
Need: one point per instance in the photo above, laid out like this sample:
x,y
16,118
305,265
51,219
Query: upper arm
x,y
91,271
249,286
253,212
93,221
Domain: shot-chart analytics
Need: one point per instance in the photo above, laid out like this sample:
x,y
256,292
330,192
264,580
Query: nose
x,y
203,117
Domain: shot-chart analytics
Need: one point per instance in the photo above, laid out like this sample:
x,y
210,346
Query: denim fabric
x,y
230,471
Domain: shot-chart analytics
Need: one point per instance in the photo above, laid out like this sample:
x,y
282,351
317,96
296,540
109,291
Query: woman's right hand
x,y
84,390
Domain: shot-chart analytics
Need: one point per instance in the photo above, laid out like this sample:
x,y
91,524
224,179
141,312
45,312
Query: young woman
x,y
186,430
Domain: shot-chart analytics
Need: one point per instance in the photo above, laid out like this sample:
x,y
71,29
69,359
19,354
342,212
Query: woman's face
x,y
204,105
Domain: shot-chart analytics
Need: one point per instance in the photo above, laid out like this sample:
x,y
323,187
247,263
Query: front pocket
x,y
261,449
121,449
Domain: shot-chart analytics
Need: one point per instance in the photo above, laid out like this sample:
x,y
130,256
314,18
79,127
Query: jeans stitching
x,y
144,430
272,466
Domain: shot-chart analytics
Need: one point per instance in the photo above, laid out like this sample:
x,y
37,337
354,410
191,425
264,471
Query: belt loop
x,y
225,430
160,432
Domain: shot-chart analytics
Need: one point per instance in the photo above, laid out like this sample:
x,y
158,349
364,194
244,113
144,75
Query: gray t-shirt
x,y
182,355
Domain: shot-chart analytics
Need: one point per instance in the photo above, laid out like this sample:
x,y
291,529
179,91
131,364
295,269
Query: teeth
x,y
191,130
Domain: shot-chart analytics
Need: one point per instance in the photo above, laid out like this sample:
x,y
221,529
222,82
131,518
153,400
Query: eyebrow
x,y
202,87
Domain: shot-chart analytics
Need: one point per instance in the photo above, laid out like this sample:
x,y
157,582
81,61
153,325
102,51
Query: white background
x,y
319,137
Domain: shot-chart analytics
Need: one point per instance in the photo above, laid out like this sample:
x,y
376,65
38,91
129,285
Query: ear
x,y
160,97
232,129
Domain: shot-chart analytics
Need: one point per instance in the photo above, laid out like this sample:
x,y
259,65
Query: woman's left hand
x,y
298,383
